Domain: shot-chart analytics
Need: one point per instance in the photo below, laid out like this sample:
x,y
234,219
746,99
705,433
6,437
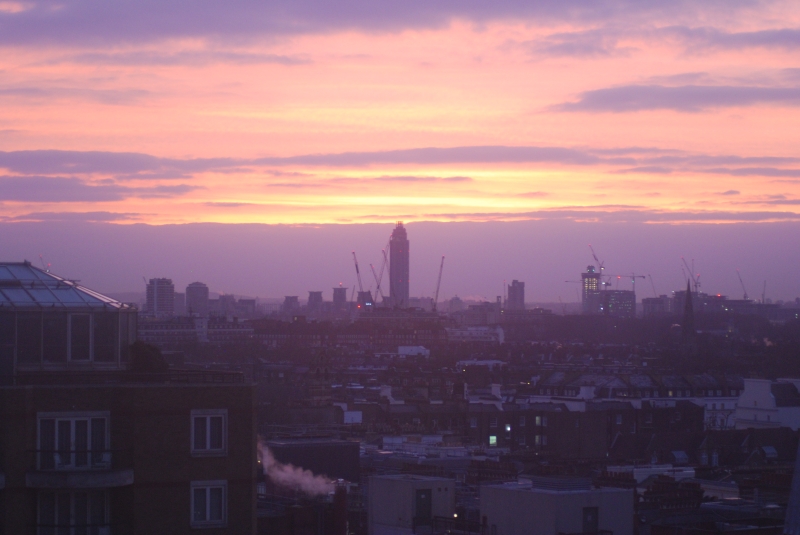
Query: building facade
x,y
88,446
160,297
197,299
516,296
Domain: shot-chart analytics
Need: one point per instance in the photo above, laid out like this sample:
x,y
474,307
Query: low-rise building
x,y
399,504
550,505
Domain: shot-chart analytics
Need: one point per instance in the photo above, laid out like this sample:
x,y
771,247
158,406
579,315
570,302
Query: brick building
x,y
89,447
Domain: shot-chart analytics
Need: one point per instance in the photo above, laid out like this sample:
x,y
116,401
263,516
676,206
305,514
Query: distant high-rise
x,y
180,304
160,297
314,300
339,298
688,314
516,296
590,298
399,266
197,299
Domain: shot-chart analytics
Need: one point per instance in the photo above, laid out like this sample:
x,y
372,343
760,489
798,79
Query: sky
x,y
641,118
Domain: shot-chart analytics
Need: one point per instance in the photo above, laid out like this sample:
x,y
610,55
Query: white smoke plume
x,y
292,477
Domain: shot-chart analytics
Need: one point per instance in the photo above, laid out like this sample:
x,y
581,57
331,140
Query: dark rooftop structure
x,y
49,323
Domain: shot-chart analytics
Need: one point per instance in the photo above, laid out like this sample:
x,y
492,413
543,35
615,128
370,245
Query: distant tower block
x,y
339,298
399,266
160,297
314,300
590,296
516,296
197,299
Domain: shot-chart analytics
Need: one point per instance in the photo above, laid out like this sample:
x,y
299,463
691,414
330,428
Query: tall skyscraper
x,y
197,299
516,296
399,266
160,297
590,298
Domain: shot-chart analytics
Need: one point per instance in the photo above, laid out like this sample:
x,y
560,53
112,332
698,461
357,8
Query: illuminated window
x,y
492,440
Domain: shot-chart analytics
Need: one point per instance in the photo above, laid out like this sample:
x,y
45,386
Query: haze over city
x,y
449,267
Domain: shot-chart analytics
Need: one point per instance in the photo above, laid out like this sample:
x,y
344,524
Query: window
x,y
544,440
619,419
79,337
473,422
538,420
719,392
537,440
544,421
73,513
73,441
492,440
209,432
521,440
522,421
209,504
493,421
508,428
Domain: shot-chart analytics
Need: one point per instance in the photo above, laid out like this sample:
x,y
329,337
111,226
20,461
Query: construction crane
x,y
600,265
438,285
378,290
742,283
358,273
695,279
655,294
633,277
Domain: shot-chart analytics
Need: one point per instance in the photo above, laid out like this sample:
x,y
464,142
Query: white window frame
x,y
208,451
73,416
207,486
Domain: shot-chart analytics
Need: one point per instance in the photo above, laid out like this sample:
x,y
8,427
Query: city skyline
x,y
274,261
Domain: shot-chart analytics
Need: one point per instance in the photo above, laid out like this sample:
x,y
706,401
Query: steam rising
x,y
292,477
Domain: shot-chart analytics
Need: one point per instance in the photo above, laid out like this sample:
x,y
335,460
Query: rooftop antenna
x,y
45,267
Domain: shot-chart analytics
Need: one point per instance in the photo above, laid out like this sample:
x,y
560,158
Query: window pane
x,y
215,504
47,513
200,433
29,337
63,508
54,328
81,442
215,434
81,517
106,327
79,337
97,510
64,442
199,504
98,439
47,444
